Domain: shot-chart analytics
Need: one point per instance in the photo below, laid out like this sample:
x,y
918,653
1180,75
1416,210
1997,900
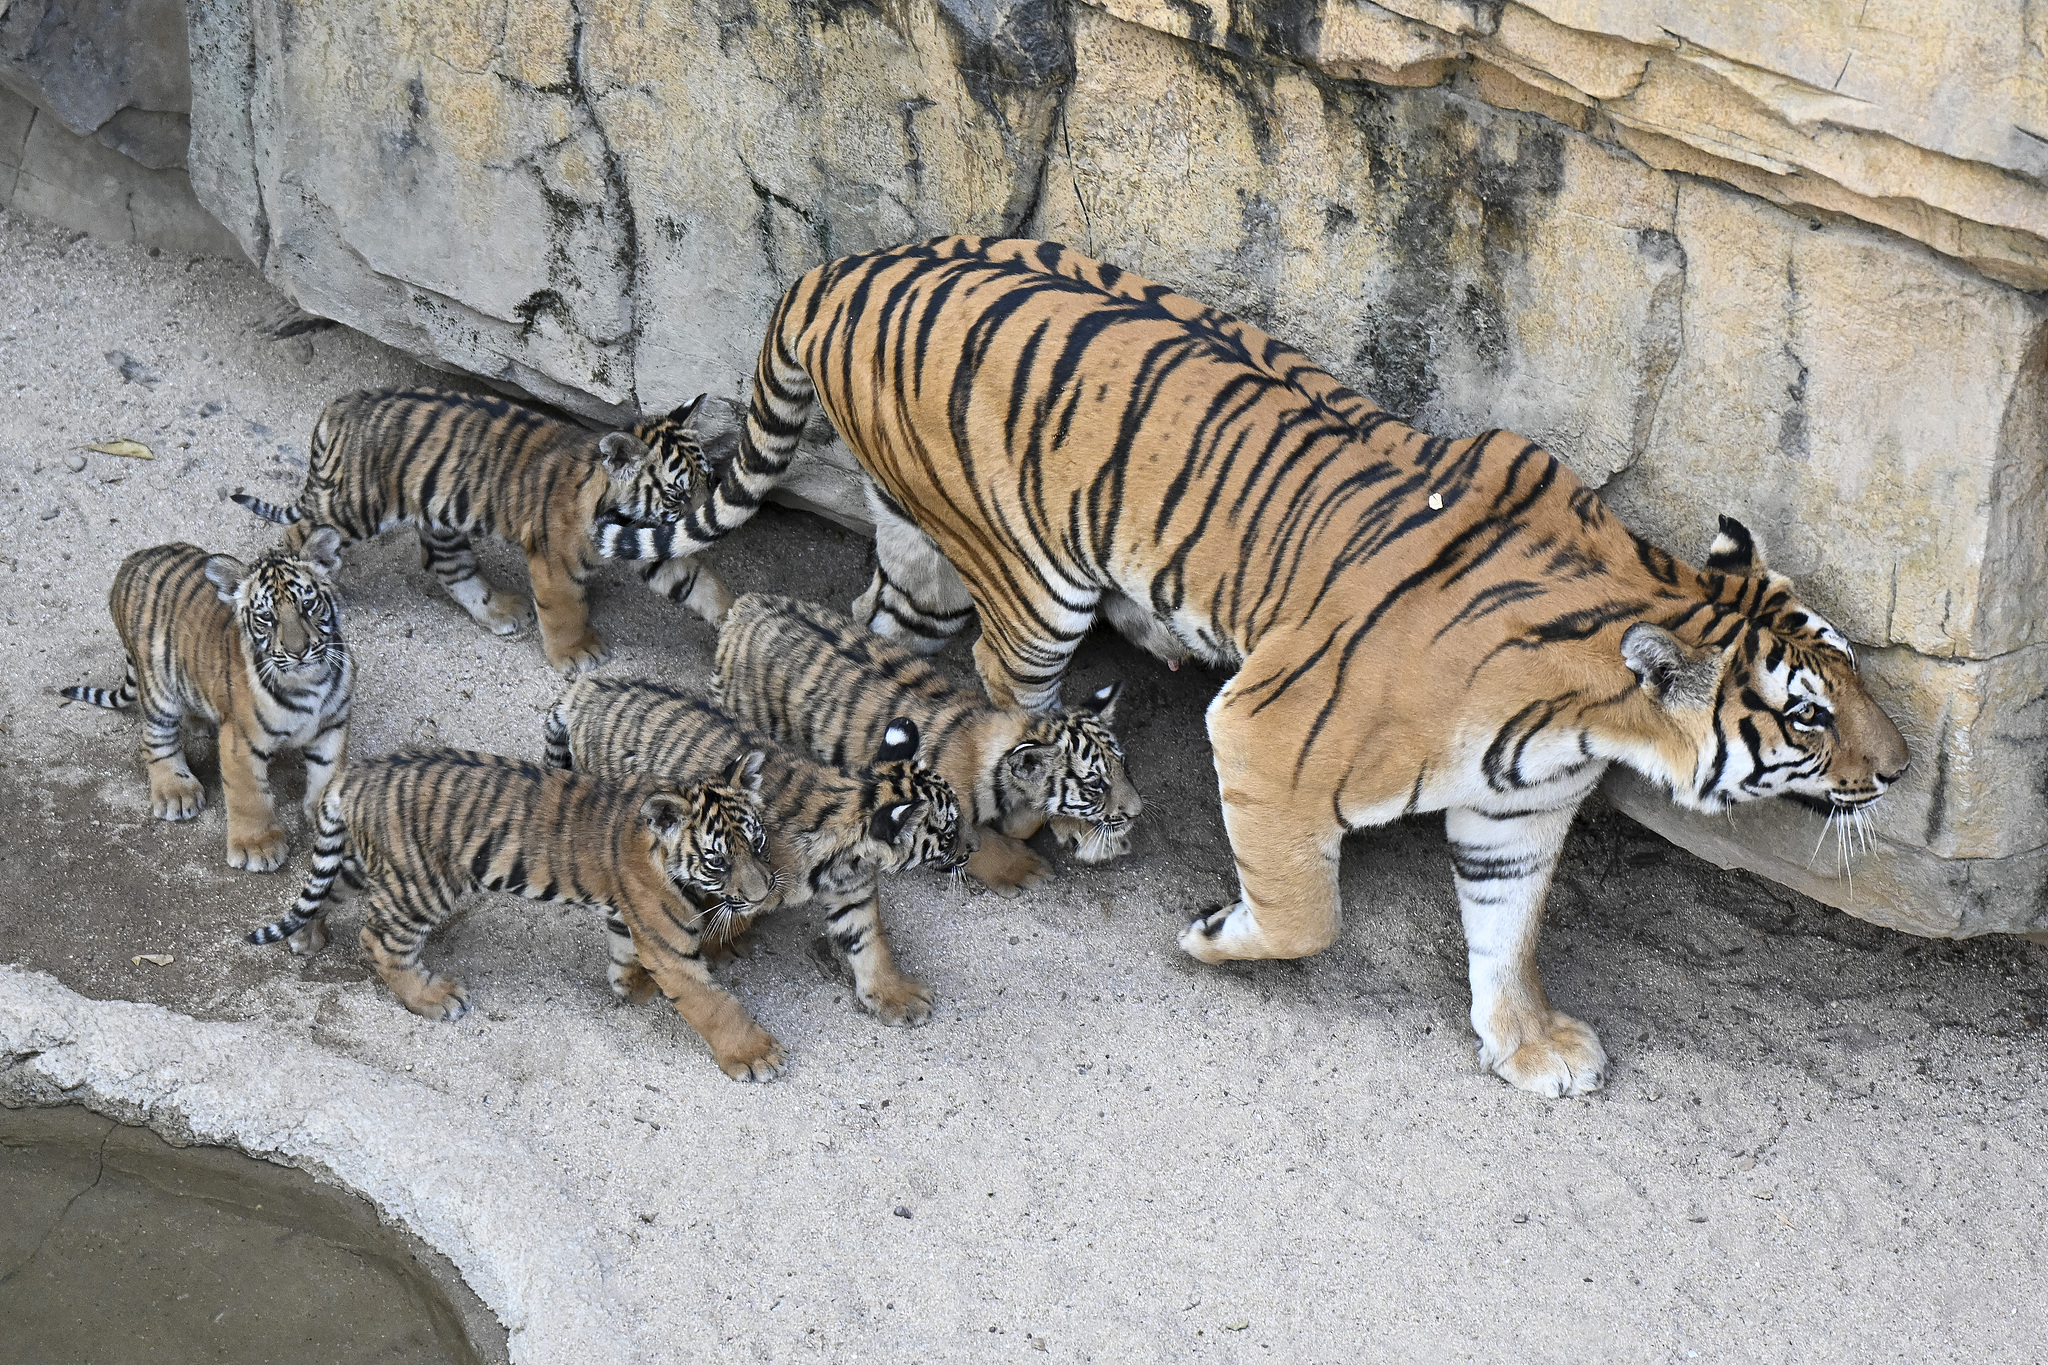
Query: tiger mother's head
x,y
1770,698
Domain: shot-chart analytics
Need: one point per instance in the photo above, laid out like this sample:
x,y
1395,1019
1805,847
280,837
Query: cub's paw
x,y
901,1003
580,657
504,614
176,799
261,852
1559,1058
439,997
1200,939
634,984
309,940
1005,866
758,1059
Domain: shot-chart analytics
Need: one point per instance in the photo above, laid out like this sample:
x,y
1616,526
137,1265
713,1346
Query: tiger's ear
x,y
684,412
1735,550
1675,673
664,813
226,573
899,741
1102,700
1030,761
322,551
746,773
888,822
622,453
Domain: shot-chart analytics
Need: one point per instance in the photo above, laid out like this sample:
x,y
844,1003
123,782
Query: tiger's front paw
x,y
1558,1057
176,798
309,940
758,1058
1201,939
633,984
439,997
260,852
505,614
1005,866
899,1002
580,657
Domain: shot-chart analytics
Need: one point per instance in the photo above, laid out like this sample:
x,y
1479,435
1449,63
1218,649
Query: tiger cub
x,y
417,830
452,464
813,677
830,832
255,650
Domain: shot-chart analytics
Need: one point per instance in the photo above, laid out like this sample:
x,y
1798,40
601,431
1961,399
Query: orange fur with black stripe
x,y
455,464
1414,622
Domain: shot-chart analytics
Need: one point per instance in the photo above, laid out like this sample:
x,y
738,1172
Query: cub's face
x,y
656,468
1075,767
286,608
710,844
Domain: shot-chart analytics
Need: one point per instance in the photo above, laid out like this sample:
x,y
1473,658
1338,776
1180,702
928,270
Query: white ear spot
x,y
894,735
1103,693
897,813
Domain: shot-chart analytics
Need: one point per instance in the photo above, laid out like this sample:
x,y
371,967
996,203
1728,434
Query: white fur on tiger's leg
x,y
854,930
915,596
1503,867
629,980
691,583
450,557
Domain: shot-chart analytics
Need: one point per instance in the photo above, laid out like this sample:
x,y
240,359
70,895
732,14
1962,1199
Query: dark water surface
x,y
118,1249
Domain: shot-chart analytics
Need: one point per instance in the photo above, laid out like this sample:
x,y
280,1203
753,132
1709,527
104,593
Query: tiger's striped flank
x,y
665,867
831,831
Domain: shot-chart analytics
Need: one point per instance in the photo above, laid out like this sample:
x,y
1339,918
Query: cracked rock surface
x,y
1822,1141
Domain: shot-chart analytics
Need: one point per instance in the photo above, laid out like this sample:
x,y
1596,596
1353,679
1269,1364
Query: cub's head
x,y
709,843
286,607
1771,697
1069,765
656,467
916,812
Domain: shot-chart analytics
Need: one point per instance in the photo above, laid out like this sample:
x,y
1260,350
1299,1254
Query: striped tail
x,y
330,854
118,700
269,511
618,538
556,731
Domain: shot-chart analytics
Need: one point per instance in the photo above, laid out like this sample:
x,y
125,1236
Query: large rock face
x,y
1719,258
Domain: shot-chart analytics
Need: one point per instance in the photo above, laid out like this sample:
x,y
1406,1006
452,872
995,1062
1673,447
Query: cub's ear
x,y
746,773
1735,550
888,822
226,573
664,813
1675,673
899,741
322,551
1030,761
684,412
1102,701
622,452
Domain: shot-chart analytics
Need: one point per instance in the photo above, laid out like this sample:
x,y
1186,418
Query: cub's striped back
x,y
815,678
831,831
664,863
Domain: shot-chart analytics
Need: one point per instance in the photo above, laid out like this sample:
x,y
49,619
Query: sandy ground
x,y
1821,1141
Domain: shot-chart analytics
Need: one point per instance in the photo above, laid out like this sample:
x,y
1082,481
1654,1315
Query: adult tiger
x,y
1415,623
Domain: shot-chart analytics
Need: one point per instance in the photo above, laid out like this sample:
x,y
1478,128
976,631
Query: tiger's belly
x,y
1481,771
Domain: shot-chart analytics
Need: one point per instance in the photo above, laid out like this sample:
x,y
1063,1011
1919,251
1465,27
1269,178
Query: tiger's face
x,y
657,467
1074,766
1780,707
286,608
710,844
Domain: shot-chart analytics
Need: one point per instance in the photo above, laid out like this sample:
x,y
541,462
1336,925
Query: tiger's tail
x,y
269,511
119,699
556,731
619,539
332,857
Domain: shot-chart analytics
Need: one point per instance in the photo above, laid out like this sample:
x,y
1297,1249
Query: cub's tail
x,y
556,732
117,700
269,511
332,857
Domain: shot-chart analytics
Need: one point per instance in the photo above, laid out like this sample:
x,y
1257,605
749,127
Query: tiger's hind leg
x,y
564,610
691,583
448,555
174,793
631,982
915,595
853,926
1502,869
394,931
